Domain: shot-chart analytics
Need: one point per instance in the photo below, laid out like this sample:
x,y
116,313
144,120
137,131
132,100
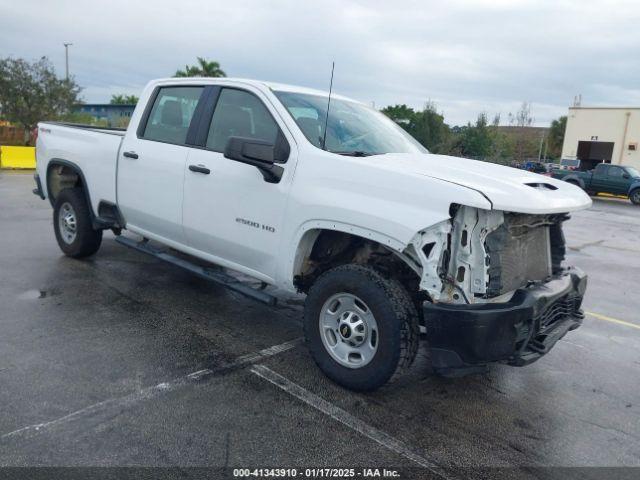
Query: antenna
x,y
326,118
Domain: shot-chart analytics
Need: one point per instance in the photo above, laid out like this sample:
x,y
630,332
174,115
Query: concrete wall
x,y
604,125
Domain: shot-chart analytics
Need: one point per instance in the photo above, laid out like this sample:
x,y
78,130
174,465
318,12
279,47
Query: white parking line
x,y
347,419
152,392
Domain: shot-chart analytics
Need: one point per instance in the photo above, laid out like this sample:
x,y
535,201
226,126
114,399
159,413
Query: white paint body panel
x,y
387,198
95,151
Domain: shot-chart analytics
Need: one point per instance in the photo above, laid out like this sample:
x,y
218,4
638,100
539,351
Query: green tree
x,y
430,129
401,114
476,141
30,92
122,99
556,137
426,126
204,68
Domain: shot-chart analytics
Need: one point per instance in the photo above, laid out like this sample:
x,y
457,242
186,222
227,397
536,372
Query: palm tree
x,y
204,68
121,99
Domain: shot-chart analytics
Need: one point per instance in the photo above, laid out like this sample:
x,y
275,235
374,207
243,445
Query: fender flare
x,y
635,185
78,171
575,178
299,249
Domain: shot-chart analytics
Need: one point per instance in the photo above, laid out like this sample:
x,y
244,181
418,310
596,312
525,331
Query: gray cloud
x,y
467,56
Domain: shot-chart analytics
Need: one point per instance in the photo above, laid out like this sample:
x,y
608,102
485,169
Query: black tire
x,y
395,315
634,196
86,240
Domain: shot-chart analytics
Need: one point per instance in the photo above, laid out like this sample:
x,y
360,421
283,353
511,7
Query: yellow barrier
x,y
17,157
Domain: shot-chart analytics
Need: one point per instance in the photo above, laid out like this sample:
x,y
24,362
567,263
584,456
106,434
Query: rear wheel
x,y
634,196
72,224
361,328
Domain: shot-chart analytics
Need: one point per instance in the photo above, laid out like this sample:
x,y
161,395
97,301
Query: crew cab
x,y
606,178
328,197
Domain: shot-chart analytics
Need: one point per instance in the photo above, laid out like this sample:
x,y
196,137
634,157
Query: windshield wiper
x,y
356,153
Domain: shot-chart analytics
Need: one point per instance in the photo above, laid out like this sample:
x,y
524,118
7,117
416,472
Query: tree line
x,y
31,91
483,139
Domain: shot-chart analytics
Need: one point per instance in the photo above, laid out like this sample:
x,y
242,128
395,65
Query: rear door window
x,y
171,114
239,113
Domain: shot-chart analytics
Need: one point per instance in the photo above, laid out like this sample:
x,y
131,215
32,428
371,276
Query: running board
x,y
220,278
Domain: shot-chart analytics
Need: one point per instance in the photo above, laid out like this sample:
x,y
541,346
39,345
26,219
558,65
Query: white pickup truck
x,y
330,198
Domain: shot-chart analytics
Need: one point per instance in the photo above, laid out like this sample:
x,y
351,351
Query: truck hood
x,y
508,189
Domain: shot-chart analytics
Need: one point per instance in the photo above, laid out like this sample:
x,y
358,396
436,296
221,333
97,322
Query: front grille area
x,y
566,306
532,338
519,252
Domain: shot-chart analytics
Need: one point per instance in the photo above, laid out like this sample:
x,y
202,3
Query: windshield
x,y
633,172
352,128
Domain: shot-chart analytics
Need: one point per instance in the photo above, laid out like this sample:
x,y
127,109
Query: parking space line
x,y
347,419
612,320
154,391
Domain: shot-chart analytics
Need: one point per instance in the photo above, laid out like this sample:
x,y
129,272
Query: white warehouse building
x,y
603,134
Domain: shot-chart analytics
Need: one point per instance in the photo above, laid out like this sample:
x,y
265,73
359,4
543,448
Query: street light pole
x,y
66,58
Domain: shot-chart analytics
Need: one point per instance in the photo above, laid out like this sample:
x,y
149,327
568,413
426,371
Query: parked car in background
x,y
535,167
605,178
569,164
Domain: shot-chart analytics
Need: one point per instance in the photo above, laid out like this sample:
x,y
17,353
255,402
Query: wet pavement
x,y
123,360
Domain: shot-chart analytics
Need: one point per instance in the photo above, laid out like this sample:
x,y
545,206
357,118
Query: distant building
x,y
115,115
603,134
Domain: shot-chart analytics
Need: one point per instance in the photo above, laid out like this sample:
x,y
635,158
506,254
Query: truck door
x,y
151,164
230,212
600,179
617,181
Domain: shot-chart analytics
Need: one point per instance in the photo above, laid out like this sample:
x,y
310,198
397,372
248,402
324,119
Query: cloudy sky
x,y
467,56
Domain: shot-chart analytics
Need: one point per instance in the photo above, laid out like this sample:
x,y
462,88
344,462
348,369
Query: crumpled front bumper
x,y
464,338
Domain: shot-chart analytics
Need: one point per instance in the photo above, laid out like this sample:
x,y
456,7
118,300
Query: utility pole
x,y
66,58
540,149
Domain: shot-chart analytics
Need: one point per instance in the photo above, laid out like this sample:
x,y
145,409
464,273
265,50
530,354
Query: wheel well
x,y
59,177
319,250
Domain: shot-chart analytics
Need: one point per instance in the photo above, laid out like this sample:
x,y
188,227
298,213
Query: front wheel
x,y
361,328
634,196
72,224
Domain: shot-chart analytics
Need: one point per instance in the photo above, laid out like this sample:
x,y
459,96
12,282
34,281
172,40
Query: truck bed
x,y
93,149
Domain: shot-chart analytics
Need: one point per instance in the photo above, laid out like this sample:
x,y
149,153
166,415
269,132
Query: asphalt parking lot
x,y
124,360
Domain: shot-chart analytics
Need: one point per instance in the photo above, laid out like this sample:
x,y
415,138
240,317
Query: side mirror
x,y
261,154
625,175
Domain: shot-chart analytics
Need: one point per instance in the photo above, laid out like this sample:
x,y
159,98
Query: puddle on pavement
x,y
33,295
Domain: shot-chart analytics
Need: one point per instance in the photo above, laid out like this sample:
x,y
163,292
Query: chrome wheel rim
x,y
348,330
67,223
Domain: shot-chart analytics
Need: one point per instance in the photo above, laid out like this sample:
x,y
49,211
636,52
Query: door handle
x,y
199,169
133,155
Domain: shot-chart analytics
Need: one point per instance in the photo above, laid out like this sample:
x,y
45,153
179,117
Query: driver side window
x,y
615,172
240,114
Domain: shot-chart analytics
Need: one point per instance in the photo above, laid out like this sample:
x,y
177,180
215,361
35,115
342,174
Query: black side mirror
x,y
261,154
625,175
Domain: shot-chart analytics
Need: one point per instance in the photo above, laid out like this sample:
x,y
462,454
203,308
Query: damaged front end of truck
x,y
497,288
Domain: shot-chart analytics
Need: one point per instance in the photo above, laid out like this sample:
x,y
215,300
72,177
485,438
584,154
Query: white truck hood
x,y
508,189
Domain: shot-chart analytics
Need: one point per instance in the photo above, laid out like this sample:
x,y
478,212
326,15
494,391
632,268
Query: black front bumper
x,y
464,338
